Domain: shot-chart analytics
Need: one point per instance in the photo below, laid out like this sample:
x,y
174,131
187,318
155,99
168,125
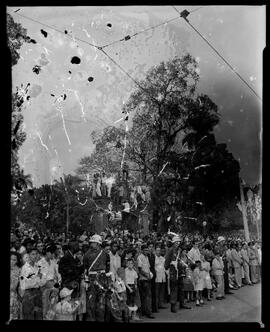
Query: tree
x,y
16,36
171,143
67,186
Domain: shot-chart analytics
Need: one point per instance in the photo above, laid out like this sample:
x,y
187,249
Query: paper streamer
x,y
44,145
59,108
125,140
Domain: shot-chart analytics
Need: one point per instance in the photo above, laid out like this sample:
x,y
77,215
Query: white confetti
x,y
44,145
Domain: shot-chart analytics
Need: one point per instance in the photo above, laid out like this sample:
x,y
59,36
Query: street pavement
x,y
242,306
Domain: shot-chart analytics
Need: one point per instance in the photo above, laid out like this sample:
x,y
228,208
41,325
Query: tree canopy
x,y
171,144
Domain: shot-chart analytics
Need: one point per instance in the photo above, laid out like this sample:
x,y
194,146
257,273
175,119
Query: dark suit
x,y
70,268
176,283
71,271
151,258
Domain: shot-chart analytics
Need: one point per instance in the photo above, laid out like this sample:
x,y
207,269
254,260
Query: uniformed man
x,y
96,264
172,263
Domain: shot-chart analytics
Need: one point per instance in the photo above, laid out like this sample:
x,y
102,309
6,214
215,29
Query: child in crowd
x,y
53,299
131,278
205,275
120,288
66,308
198,283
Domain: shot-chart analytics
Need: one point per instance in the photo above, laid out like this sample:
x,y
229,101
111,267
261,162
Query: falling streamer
x,y
44,145
125,142
163,168
64,125
87,34
78,98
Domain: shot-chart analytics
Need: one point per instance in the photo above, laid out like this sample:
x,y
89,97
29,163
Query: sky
x,y
94,89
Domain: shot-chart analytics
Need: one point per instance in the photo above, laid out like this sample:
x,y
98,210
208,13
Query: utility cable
x,y
138,33
184,15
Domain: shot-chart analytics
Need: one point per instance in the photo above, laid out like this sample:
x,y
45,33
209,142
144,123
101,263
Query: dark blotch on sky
x,y
33,41
109,25
65,96
28,97
66,32
90,79
69,71
45,34
75,60
52,95
36,69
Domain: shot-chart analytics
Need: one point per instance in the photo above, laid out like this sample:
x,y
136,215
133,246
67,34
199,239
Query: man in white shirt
x,y
160,278
49,269
31,281
194,253
145,282
115,259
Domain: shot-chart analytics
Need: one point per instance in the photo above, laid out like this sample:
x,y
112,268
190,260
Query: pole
x,y
244,212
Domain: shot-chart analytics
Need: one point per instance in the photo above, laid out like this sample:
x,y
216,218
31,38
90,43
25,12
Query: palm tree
x,y
21,181
66,186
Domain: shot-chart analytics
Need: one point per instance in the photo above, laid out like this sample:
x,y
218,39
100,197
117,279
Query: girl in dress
x,y
198,283
205,275
15,303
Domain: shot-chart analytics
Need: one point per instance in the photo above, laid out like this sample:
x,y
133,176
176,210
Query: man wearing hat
x,y
172,263
96,263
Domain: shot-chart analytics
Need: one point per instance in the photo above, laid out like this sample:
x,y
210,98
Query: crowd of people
x,y
123,277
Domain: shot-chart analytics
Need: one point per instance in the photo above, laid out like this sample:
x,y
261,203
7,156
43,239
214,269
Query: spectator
x,y
31,281
198,283
160,279
252,263
115,260
145,276
49,270
217,266
151,257
237,262
245,258
66,307
205,275
194,253
70,268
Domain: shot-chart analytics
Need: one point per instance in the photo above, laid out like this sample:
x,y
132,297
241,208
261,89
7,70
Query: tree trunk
x,y
67,217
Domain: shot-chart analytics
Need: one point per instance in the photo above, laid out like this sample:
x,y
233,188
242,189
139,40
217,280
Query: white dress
x,y
205,275
198,281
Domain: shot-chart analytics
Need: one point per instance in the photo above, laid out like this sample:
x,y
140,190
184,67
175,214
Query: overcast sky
x,y
57,139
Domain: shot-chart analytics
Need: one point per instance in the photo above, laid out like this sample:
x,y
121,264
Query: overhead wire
x,y
184,15
127,37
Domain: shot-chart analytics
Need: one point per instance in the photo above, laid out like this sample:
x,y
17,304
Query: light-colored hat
x,y
220,238
96,238
65,292
176,238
